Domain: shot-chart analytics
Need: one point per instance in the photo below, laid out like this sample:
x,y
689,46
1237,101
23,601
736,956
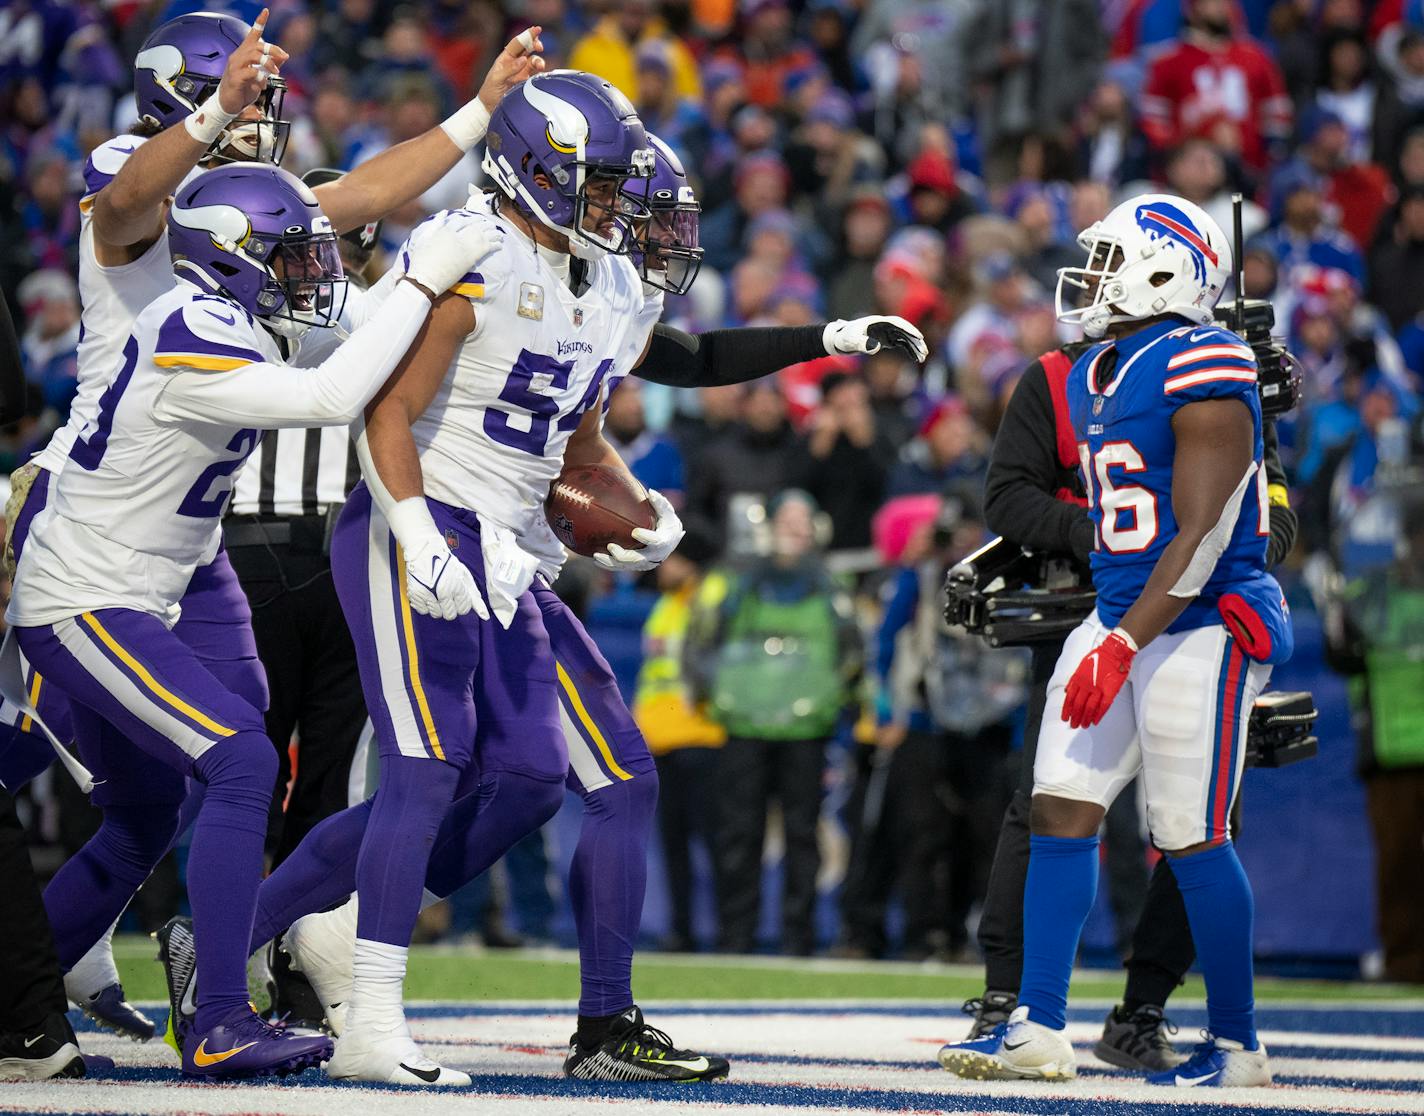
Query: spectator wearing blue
x,y
949,447
50,345
1301,233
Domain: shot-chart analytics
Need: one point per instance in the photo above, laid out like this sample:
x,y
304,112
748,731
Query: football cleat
x,y
294,999
391,1058
51,1051
178,955
1219,1062
989,1011
248,1046
633,1051
1017,1049
108,1008
320,947
1138,1040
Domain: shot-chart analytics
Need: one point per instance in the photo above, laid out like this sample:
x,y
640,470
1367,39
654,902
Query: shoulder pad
x,y
104,162
207,333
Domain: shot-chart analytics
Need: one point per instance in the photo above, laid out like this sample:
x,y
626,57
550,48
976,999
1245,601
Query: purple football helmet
x,y
555,136
666,250
181,64
257,235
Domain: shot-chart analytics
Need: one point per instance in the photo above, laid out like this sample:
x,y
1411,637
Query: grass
x,y
448,973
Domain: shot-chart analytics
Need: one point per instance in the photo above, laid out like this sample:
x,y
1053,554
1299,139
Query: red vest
x,y
1056,366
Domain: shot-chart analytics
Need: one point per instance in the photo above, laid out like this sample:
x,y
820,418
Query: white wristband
x,y
208,120
410,521
1121,634
467,125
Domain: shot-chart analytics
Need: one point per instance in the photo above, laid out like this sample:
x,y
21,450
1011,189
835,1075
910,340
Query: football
x,y
590,506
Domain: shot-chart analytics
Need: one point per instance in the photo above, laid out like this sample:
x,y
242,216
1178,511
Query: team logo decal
x,y
531,301
1163,221
1098,405
578,315
452,540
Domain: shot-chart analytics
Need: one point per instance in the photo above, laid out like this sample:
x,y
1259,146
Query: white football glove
x,y
867,335
658,542
437,582
439,251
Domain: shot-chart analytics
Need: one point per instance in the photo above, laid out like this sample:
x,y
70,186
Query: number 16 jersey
x,y
1121,397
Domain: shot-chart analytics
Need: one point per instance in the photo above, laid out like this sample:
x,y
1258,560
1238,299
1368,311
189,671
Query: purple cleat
x,y
110,1010
249,1046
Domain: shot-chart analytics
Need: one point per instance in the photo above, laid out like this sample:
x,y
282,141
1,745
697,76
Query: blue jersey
x,y
1126,448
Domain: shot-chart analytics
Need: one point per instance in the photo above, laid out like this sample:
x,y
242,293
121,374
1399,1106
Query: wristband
x,y
1121,634
410,519
209,120
467,125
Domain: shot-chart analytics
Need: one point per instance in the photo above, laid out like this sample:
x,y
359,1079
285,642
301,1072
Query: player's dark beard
x,y
1216,28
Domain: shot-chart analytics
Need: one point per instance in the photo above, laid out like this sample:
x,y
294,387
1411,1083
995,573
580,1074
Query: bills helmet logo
x,y
1163,221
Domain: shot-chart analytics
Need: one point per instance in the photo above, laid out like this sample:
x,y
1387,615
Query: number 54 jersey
x,y
493,438
1122,396
138,505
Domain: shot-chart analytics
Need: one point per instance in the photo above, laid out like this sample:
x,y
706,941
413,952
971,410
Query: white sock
x,y
377,986
93,972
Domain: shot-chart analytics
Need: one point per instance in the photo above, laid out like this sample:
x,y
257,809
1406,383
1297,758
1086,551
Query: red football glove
x,y
1097,680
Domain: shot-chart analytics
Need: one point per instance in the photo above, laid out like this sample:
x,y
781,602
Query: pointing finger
x,y
255,31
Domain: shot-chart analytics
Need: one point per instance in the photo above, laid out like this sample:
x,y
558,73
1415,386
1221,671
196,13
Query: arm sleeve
x,y
727,356
1023,474
273,396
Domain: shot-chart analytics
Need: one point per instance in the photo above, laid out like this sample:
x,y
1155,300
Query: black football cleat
x,y
633,1051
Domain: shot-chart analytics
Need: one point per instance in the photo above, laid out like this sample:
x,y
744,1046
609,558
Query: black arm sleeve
x,y
1283,522
1019,501
726,356
12,376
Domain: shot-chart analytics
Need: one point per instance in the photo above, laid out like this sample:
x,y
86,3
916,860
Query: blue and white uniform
x,y
1181,719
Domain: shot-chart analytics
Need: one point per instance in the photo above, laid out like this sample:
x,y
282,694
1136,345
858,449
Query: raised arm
x,y
404,172
128,212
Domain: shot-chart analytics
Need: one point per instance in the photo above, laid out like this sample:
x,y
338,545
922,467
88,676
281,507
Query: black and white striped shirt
x,y
297,472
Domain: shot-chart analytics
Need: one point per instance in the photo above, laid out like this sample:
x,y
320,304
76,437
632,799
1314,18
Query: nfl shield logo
x,y
452,540
1098,405
578,315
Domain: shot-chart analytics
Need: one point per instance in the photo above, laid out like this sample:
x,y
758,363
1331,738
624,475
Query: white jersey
x,y
139,507
538,360
110,300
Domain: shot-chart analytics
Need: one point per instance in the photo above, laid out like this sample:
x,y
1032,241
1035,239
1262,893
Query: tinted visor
x,y
308,271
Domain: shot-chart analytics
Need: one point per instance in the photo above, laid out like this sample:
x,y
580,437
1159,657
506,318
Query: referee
x,y
1034,497
277,534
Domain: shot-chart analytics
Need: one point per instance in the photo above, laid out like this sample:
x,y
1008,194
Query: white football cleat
x,y
391,1058
1016,1050
320,946
1219,1062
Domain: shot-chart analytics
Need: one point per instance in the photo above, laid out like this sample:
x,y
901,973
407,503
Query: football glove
x,y
442,249
437,583
658,542
1099,677
867,335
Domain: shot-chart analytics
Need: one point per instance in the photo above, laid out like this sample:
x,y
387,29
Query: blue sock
x,y
1222,914
1058,894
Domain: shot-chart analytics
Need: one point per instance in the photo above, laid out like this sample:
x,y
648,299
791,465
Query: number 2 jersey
x,y
1122,396
538,360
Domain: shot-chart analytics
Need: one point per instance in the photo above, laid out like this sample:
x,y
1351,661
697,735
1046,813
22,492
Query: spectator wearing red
x,y
769,52
1358,190
1216,83
949,447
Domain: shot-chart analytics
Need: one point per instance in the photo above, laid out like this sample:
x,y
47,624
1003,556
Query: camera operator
x,y
1035,499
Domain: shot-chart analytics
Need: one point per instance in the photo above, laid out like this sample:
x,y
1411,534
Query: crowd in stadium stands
x,y
927,158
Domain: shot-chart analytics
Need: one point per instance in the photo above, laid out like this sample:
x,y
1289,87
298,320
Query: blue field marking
x,y
953,1098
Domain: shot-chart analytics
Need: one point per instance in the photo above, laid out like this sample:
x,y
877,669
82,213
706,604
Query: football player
x,y
609,763
209,92
103,573
1160,679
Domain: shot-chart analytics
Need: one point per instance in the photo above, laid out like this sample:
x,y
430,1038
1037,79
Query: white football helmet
x,y
1154,254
